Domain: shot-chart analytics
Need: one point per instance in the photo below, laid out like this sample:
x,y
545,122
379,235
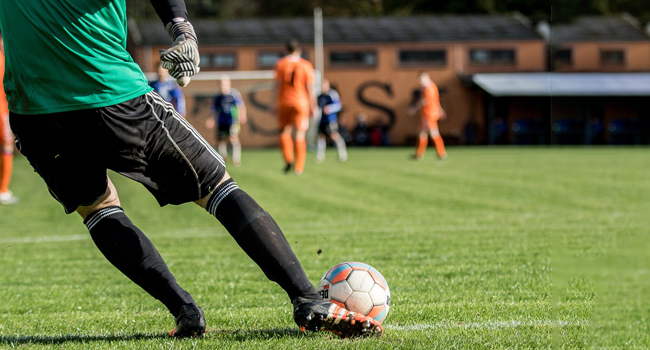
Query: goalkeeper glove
x,y
182,59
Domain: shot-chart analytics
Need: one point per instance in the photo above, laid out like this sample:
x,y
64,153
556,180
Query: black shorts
x,y
144,139
328,128
225,131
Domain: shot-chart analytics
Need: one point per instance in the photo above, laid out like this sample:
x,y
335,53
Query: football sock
x,y
340,147
222,148
440,145
286,145
301,154
423,142
236,152
260,237
6,167
128,249
320,148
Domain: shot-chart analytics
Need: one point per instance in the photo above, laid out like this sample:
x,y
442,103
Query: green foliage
x,y
492,248
556,11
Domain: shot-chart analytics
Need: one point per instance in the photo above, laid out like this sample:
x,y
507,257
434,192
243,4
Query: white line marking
x,y
309,230
486,325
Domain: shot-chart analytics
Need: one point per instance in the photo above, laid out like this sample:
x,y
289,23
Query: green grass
x,y
518,248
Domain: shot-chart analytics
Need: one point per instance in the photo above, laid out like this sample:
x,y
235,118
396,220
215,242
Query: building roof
x,y
564,84
338,30
598,28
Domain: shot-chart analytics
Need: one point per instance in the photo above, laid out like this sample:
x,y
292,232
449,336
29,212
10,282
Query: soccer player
x,y
82,106
430,112
169,90
330,105
6,140
229,113
294,103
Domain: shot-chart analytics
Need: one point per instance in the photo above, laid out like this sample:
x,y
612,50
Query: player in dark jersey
x,y
330,105
169,90
103,115
229,114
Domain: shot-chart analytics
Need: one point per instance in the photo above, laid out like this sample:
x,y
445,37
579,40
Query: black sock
x,y
260,237
128,249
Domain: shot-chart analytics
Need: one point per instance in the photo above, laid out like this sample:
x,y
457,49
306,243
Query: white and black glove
x,y
182,59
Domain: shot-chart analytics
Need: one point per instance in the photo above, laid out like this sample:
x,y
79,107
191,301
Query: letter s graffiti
x,y
386,88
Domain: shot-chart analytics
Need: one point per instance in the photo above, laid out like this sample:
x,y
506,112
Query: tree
x,y
554,11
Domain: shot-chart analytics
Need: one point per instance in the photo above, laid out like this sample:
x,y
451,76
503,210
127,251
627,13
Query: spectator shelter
x,y
567,108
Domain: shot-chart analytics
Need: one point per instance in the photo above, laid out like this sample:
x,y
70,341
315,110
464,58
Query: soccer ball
x,y
357,287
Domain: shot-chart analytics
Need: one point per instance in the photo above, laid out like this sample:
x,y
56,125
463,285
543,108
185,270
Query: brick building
x,y
373,63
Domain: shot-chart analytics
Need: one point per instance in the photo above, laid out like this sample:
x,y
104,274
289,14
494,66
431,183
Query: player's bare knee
x,y
109,199
435,133
203,202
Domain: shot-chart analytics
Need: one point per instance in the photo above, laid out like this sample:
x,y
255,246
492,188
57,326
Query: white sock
x,y
320,148
340,146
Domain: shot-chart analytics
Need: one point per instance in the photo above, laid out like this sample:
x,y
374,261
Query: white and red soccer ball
x,y
357,287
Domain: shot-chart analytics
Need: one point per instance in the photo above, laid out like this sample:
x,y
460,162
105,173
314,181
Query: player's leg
x,y
340,147
423,142
6,161
260,237
126,247
235,144
236,150
222,140
437,140
301,152
286,140
301,123
338,141
321,145
222,148
57,146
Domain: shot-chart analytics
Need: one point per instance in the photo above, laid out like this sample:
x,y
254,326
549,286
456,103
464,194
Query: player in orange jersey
x,y
430,112
6,140
295,101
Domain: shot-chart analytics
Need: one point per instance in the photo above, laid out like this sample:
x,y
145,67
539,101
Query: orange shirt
x,y
431,107
293,74
4,108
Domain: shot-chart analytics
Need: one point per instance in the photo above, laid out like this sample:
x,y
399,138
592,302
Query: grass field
x,y
518,248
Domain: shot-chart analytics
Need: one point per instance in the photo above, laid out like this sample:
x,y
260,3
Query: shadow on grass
x,y
261,334
60,339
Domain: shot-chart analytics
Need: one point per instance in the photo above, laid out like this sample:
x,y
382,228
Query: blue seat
x,y
624,132
569,131
528,132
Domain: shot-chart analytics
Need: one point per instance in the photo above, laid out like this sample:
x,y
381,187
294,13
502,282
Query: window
x,y
218,60
563,57
426,57
612,57
204,60
479,56
354,58
268,59
224,60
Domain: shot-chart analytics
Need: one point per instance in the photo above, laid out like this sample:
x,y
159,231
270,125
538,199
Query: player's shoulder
x,y
235,92
284,60
306,63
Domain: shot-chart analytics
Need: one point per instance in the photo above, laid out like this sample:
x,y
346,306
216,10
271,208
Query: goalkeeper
x,y
82,106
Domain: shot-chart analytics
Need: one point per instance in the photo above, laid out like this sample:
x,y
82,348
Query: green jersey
x,y
65,55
